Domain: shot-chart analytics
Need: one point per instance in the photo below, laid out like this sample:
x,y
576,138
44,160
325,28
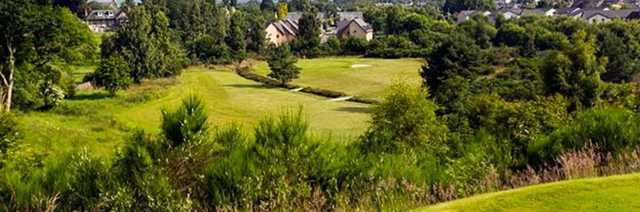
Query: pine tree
x,y
237,35
283,64
308,33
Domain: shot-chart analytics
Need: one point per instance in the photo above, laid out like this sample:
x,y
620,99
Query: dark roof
x,y
287,26
103,15
607,13
570,11
322,16
634,15
116,3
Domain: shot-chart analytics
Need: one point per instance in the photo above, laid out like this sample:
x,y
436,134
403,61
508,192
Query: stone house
x,y
356,28
105,20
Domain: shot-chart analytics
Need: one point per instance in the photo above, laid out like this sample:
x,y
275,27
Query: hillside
x,y
615,193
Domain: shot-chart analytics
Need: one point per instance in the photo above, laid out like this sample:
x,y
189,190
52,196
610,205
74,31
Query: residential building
x,y
588,15
348,24
105,20
357,28
601,16
282,31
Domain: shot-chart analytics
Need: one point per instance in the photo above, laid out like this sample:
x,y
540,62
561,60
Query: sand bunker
x,y
360,65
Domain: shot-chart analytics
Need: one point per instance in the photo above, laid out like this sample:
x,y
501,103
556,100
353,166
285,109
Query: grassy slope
x,y
105,122
337,74
616,193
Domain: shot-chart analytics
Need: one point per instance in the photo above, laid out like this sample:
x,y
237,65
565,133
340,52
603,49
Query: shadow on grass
x,y
355,109
91,96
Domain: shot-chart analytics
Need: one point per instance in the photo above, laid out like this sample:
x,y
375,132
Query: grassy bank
x,y
615,193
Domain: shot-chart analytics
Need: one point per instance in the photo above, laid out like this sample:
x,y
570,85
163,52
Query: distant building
x,y
465,15
601,16
356,28
349,24
590,15
111,4
105,20
283,31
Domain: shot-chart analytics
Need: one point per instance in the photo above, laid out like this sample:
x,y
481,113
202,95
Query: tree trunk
x,y
9,80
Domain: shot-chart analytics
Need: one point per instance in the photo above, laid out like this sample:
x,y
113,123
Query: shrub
x,y
112,74
331,47
90,178
354,46
226,181
610,129
141,184
186,123
8,132
405,120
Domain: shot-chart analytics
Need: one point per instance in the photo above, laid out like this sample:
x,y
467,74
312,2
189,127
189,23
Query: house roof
x,y
322,16
568,11
537,11
607,13
103,15
287,26
342,25
464,15
114,2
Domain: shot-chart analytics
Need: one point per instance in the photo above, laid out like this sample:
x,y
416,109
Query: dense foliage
x,y
37,41
147,44
112,74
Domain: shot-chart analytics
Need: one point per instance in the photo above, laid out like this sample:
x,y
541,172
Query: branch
x,y
4,80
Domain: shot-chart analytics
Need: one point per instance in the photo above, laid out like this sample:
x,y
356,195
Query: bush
x,y
393,46
331,47
404,121
113,74
90,178
354,46
185,124
227,180
611,130
8,134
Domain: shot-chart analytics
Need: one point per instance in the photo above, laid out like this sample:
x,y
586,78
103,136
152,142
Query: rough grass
x,y
337,73
615,193
100,123
80,71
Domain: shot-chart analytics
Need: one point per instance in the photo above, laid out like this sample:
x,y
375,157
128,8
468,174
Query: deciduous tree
x,y
34,35
113,74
